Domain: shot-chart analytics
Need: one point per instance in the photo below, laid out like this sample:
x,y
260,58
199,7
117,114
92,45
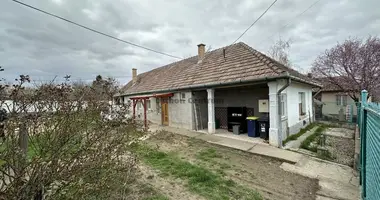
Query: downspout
x,y
279,110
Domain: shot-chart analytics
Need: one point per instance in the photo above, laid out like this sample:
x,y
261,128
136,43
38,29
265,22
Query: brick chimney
x,y
134,75
201,52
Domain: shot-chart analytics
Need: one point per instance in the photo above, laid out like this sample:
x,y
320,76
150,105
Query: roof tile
x,y
241,62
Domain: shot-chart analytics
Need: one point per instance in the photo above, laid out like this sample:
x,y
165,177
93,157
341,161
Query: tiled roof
x,y
239,63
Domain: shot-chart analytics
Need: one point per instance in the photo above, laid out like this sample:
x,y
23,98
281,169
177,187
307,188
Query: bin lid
x,y
252,118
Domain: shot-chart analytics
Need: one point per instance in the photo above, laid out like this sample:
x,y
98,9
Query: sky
x,y
44,47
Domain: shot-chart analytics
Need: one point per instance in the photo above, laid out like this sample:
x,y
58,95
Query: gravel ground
x,y
341,149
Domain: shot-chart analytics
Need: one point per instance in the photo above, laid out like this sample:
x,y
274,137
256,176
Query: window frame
x,y
302,103
148,104
284,110
341,99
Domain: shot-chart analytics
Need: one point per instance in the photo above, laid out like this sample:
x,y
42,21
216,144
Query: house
x,y
198,92
334,102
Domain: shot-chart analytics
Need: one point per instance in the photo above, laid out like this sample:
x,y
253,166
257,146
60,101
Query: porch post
x,y
145,123
274,134
211,110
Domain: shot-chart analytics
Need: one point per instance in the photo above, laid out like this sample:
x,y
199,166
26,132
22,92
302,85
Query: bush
x,y
57,145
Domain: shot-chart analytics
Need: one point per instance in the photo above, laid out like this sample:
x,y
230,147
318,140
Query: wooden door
x,y
165,112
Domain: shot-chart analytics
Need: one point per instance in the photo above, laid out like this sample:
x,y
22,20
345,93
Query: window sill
x,y
283,118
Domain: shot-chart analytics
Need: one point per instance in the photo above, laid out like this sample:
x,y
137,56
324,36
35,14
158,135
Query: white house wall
x,y
295,122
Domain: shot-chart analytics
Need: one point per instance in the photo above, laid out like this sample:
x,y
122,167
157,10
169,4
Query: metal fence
x,y
369,126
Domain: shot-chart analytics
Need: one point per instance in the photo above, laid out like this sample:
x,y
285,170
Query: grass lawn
x,y
199,180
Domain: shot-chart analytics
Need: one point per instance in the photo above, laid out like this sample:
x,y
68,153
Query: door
x,y
165,112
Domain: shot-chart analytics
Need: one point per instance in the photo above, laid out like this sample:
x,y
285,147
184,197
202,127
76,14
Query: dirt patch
x,y
252,171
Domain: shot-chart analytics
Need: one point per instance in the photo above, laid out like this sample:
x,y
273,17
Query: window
x,y
301,103
283,105
341,100
148,106
183,95
158,108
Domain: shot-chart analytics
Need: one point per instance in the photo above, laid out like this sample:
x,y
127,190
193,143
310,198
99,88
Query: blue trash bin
x,y
251,126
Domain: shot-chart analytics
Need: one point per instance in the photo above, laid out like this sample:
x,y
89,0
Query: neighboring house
x,y
196,93
333,102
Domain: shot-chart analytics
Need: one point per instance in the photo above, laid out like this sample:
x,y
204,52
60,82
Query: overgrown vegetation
x,y
199,180
58,143
301,132
306,144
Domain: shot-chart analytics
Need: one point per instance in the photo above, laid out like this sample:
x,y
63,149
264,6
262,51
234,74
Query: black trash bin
x,y
263,128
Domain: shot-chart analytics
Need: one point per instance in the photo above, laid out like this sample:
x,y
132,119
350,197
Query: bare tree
x,y
352,66
280,52
58,145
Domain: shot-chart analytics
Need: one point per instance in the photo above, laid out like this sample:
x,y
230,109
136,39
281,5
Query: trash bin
x,y
236,129
263,129
251,126
217,123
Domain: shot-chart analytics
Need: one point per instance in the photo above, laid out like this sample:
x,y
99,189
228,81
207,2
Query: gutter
x,y
218,84
279,111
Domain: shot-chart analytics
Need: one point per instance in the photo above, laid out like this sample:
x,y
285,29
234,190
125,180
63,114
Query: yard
x,y
179,167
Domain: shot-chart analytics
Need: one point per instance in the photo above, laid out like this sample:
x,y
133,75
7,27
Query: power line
x,y
255,21
289,23
251,24
93,30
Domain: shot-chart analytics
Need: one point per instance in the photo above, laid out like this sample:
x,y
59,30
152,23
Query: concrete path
x,y
336,181
295,144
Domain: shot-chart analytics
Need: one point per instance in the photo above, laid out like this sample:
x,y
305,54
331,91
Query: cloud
x,y
42,46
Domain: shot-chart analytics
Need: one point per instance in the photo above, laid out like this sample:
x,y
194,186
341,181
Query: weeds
x,y
313,137
297,135
199,180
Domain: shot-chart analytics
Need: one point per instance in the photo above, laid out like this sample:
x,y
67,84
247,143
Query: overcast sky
x,y
43,47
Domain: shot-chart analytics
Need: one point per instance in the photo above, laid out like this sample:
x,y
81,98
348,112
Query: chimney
x,y
201,52
309,75
134,75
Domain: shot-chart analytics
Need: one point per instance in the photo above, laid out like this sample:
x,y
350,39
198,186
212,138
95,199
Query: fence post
x,y
363,139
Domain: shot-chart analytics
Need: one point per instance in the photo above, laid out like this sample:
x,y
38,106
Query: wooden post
x,y
145,121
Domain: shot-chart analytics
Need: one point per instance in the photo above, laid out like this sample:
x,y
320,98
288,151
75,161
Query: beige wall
x,y
330,107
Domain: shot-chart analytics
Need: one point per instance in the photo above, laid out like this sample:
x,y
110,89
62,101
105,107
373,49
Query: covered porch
x,y
217,110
